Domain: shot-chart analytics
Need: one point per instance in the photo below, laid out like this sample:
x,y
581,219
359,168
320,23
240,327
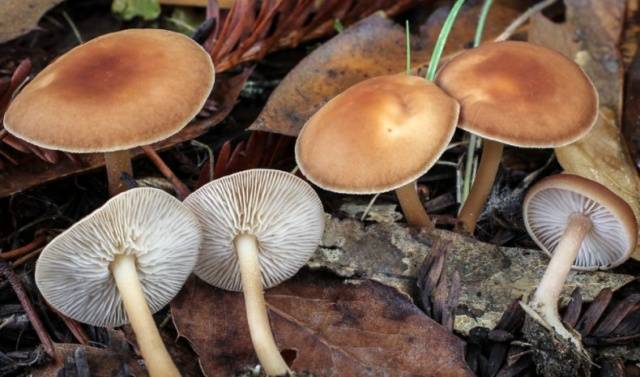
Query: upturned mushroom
x,y
581,225
379,135
259,228
520,94
116,92
122,263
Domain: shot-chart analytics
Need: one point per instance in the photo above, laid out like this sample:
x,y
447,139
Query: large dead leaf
x,y
328,327
602,155
372,47
18,17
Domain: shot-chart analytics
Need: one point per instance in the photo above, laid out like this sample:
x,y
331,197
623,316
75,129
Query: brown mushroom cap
x,y
521,94
378,135
115,92
550,203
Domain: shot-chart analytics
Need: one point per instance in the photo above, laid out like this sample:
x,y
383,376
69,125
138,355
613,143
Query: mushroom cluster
x,y
252,230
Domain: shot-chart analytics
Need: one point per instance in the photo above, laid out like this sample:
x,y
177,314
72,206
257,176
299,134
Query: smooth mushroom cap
x,y
551,201
118,91
73,271
281,210
521,94
378,135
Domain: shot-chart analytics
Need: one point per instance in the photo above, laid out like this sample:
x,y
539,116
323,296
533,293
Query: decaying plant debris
x,y
377,298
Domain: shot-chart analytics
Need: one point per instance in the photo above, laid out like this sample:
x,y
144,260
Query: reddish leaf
x,y
330,328
223,159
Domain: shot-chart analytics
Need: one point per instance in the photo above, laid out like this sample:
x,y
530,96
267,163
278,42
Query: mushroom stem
x,y
482,184
545,299
117,162
156,357
412,207
257,317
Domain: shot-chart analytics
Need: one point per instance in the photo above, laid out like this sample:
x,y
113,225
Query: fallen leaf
x,y
491,277
100,362
18,17
325,326
372,47
129,9
591,36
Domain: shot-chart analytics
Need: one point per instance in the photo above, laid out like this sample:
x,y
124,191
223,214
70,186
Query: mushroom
x,y
259,228
379,135
580,224
116,92
122,263
519,94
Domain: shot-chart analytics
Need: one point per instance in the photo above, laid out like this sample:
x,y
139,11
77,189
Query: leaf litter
x,y
435,276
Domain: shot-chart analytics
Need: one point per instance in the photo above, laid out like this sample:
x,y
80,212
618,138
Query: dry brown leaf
x,y
18,17
328,327
101,362
372,47
602,155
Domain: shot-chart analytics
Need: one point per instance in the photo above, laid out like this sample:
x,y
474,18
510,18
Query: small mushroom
x,y
520,94
116,92
379,135
259,228
580,224
122,263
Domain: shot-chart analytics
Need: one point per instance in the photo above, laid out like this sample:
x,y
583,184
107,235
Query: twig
x,y
366,210
524,17
212,162
36,243
75,30
25,258
73,326
29,310
181,189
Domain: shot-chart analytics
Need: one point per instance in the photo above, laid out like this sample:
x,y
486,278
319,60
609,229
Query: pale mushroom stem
x,y
412,207
117,162
257,317
547,295
156,358
481,188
